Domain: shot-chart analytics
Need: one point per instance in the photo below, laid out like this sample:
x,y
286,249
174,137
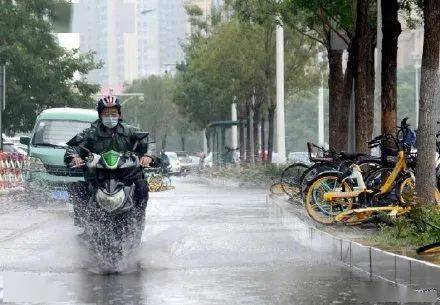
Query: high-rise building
x,y
107,27
133,38
161,30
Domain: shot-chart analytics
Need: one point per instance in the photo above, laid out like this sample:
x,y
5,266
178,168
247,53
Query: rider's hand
x,y
146,161
77,161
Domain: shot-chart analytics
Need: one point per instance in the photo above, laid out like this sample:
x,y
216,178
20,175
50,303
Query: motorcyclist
x,y
108,132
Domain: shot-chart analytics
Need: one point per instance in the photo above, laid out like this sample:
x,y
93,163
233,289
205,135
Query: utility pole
x,y
417,59
205,142
321,139
251,128
234,133
281,139
417,67
2,100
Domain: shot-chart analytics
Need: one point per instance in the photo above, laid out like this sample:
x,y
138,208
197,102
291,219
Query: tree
x,y
320,20
428,106
364,76
300,53
40,73
391,30
157,113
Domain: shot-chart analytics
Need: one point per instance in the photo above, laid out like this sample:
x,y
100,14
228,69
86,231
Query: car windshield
x,y
57,132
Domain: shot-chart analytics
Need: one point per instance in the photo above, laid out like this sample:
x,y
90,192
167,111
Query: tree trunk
x,y
248,134
391,30
182,141
271,116
164,142
428,109
337,137
371,82
256,121
263,139
364,113
242,136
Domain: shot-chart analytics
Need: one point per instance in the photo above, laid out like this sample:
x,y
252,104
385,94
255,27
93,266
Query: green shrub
x,y
420,227
253,174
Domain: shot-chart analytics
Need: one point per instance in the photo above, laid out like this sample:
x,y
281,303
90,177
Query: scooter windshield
x,y
111,159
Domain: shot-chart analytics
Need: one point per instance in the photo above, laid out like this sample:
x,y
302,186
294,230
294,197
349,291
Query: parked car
x,y
195,162
10,147
185,161
175,167
47,146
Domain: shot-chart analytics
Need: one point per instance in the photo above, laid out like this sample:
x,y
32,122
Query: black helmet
x,y
109,101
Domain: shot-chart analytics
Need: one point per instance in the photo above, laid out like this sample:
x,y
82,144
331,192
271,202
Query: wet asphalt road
x,y
202,245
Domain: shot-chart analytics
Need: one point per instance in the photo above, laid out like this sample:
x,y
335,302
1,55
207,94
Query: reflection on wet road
x,y
202,245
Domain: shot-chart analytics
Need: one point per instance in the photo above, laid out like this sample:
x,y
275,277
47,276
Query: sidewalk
x,y
348,245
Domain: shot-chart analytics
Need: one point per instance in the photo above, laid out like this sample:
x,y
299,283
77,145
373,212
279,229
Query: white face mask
x,y
110,121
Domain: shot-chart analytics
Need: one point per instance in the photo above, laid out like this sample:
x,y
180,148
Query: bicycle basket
x,y
318,153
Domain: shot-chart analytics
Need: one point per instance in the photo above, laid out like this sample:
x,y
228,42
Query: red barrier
x,y
11,170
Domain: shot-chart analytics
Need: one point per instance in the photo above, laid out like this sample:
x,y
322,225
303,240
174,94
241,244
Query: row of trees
x,y
40,73
157,112
234,60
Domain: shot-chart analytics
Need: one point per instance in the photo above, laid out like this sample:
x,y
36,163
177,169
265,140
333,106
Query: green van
x,y
47,146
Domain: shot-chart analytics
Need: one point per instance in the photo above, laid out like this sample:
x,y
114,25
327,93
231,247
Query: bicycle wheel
x,y
290,178
317,207
166,182
407,191
429,249
277,188
377,178
311,173
155,182
369,166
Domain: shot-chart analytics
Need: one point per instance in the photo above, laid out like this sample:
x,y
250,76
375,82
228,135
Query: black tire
x,y
376,178
431,248
277,188
120,239
290,178
318,209
369,166
311,173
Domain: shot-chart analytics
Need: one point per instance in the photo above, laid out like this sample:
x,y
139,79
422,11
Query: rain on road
x,y
201,245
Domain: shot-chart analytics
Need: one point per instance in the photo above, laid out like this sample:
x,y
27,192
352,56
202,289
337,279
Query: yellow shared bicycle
x,y
353,198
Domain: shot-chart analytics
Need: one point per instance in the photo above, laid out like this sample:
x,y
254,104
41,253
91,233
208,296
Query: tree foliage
x,y
232,63
40,73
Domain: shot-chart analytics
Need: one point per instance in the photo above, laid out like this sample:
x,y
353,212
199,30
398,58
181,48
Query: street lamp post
x,y
2,100
417,65
281,139
321,140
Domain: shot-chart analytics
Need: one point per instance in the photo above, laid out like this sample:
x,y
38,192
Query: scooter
x,y
113,222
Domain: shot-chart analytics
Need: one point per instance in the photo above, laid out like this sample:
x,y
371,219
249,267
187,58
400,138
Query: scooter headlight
x,y
110,202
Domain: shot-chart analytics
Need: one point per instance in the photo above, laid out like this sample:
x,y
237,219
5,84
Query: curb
x,y
391,267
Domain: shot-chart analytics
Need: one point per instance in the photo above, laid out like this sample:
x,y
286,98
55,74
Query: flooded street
x,y
201,245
